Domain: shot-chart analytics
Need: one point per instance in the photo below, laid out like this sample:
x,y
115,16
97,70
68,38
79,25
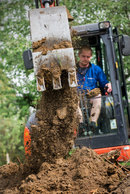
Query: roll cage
x,y
105,41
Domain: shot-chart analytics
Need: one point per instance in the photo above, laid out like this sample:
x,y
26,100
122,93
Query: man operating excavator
x,y
88,75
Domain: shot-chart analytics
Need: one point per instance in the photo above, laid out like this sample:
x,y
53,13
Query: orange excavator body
x,y
124,152
27,142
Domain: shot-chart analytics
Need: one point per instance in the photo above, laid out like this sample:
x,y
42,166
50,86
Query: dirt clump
x,y
38,43
43,46
63,44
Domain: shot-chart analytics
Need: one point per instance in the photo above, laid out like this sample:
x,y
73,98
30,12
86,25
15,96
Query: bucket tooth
x,y
40,84
72,77
56,83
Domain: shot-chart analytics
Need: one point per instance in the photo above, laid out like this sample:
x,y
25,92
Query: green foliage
x,y
18,86
11,137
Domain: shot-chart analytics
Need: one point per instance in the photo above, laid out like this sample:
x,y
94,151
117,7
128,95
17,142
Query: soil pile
x,y
84,172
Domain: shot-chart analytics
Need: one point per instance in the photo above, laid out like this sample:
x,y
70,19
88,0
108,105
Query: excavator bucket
x,y
52,47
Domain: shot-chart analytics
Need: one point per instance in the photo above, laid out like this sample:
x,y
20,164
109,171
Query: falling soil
x,y
53,136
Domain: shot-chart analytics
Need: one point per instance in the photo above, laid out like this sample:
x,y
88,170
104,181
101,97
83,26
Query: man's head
x,y
85,55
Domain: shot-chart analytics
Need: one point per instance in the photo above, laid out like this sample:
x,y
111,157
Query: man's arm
x,y
103,82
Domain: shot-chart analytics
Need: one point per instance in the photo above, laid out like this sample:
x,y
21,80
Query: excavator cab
x,y
111,131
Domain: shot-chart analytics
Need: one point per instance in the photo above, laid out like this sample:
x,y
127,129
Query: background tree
x,y
17,86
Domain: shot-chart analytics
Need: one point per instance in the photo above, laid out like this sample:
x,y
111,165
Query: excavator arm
x,y
52,51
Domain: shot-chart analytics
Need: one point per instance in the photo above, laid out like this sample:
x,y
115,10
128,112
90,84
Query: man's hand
x,y
109,88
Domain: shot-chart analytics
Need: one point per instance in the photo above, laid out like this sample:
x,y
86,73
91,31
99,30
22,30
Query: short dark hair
x,y
86,48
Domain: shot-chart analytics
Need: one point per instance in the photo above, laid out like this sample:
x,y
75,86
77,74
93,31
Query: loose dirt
x,y
53,136
84,172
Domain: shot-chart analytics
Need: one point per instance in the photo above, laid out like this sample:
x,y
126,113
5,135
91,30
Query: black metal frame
x,y
123,87
44,1
36,4
121,137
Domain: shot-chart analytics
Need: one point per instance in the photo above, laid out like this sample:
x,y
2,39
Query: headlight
x,y
104,25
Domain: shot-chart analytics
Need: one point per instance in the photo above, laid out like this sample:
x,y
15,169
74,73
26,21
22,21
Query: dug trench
x,y
51,169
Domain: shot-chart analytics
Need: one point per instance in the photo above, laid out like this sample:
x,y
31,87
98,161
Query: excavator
x,y
54,45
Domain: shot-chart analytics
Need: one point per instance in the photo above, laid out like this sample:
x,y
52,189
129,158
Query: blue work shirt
x,y
88,77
